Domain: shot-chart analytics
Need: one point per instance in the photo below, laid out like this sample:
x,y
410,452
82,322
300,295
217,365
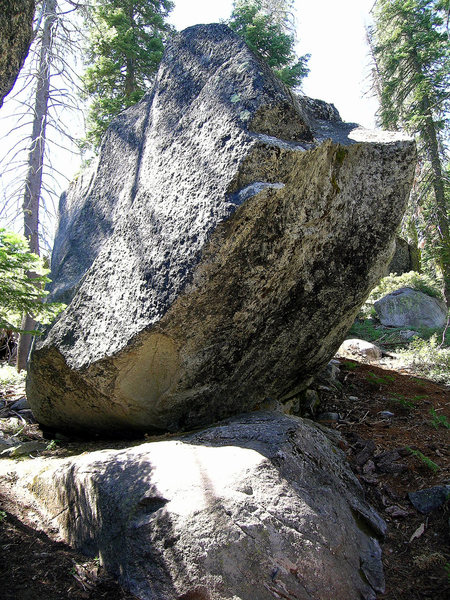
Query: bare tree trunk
x,y
429,134
130,75
431,138
33,181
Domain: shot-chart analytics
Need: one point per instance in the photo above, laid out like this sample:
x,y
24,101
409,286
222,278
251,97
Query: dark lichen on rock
x,y
16,34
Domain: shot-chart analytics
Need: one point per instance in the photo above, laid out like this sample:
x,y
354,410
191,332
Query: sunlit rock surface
x,y
260,507
218,251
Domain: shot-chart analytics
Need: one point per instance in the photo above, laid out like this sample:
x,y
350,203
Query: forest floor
x,y
391,454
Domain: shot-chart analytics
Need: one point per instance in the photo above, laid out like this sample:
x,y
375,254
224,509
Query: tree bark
x,y
130,75
33,182
430,135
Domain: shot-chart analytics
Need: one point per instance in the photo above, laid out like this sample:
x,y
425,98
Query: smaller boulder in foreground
x,y
410,308
260,507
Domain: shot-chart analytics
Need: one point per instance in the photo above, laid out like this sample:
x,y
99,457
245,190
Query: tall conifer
x,y
412,51
125,48
267,27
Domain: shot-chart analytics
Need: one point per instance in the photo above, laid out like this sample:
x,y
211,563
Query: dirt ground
x,y
391,454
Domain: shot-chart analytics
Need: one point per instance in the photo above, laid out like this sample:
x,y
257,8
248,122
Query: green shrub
x,y
428,358
371,331
22,280
417,281
9,377
403,401
439,420
425,460
367,329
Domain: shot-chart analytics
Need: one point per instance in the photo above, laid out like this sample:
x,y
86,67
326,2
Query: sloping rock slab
x,y
411,308
260,507
239,233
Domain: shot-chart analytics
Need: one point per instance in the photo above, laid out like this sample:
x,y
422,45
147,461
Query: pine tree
x,y
20,293
33,181
267,28
44,94
125,49
413,59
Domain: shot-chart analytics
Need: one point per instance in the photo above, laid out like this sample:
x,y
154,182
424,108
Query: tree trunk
x,y
130,75
130,78
33,181
430,136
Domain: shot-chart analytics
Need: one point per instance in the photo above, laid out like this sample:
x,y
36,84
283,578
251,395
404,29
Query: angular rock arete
x,y
219,249
260,507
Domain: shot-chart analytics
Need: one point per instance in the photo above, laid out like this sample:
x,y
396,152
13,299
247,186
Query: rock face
x,y
263,506
16,32
410,308
405,258
238,235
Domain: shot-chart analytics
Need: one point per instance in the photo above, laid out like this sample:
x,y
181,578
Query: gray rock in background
x,y
410,308
405,258
263,506
220,251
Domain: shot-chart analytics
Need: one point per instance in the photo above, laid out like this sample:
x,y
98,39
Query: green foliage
x,y
378,380
412,53
22,281
425,460
2,516
125,48
428,358
439,420
367,329
9,377
350,366
270,38
52,445
417,281
403,401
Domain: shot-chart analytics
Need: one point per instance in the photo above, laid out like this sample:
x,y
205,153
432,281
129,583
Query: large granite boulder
x,y
16,34
218,251
406,307
261,507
